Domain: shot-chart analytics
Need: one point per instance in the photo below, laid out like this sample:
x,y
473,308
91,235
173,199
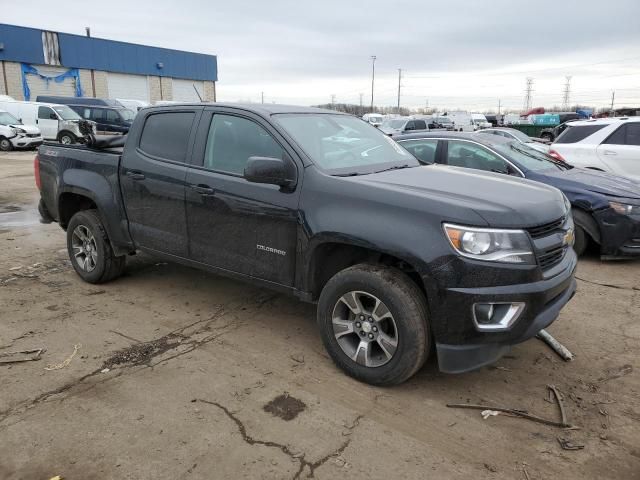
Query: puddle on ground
x,y
285,406
18,218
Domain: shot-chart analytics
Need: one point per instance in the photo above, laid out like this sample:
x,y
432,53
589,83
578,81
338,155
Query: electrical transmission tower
x,y
528,91
567,93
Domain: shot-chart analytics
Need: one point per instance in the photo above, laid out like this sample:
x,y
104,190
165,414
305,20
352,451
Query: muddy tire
x,y
581,242
373,323
89,249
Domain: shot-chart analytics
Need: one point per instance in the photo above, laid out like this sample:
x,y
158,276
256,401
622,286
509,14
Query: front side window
x,y
113,117
45,113
423,150
470,155
166,135
344,145
232,140
420,125
574,134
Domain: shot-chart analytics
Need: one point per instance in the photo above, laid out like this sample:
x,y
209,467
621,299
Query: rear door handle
x,y
203,189
133,175
610,152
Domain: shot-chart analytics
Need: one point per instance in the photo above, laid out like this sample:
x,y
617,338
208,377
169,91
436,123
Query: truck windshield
x,y
345,145
66,113
7,119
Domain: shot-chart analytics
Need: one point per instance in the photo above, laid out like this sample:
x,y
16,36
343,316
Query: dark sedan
x,y
606,208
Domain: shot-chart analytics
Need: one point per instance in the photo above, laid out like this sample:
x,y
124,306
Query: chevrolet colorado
x,y
401,258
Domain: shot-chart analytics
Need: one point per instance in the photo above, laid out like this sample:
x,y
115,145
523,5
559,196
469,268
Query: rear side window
x,y
574,134
420,125
423,150
166,135
627,134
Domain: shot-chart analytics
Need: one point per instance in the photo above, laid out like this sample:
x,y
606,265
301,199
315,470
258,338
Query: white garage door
x,y
133,87
183,90
39,86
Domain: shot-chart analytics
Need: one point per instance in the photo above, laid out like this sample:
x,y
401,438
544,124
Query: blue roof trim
x,y
22,44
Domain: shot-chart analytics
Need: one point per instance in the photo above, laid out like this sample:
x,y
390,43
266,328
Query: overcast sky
x,y
463,54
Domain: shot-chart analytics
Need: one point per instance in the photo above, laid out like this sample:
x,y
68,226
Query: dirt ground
x,y
181,374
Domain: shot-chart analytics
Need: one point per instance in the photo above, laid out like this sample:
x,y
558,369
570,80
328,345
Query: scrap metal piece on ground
x,y
567,444
557,347
58,366
21,356
556,393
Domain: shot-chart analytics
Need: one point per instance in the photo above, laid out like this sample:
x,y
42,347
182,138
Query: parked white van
x,y
462,120
13,134
480,121
374,119
56,122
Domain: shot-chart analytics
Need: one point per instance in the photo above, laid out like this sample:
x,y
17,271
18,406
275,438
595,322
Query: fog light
x,y
496,316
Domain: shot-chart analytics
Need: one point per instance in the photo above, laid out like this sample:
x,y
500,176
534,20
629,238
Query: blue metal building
x,y
34,61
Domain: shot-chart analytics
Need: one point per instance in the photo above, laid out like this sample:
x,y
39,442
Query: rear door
x,y
621,150
233,224
152,179
47,122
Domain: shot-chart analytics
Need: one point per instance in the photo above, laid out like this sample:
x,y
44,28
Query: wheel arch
x,y
585,220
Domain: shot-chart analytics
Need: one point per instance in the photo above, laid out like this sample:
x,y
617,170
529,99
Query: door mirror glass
x,y
272,171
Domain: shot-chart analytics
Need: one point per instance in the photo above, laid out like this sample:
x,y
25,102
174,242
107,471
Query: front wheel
x,y
89,249
373,322
5,144
67,138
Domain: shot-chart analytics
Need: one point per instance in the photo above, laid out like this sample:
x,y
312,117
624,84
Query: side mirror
x,y
53,116
272,171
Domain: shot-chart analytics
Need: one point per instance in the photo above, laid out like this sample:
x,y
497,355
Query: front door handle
x,y
610,152
133,175
203,189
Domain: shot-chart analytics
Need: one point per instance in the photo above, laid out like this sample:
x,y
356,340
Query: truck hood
x,y
502,201
26,128
593,181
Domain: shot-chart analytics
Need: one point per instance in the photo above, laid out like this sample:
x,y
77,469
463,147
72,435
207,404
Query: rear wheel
x,y
89,249
547,136
5,144
373,322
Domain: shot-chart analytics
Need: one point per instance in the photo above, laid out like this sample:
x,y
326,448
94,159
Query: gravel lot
x,y
181,374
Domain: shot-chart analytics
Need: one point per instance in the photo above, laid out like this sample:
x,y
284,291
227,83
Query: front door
x,y
233,224
621,150
47,122
152,178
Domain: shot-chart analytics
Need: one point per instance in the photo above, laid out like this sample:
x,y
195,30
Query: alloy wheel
x,y
84,247
365,329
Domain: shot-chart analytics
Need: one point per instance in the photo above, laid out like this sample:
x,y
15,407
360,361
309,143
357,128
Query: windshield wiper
x,y
562,165
395,167
348,174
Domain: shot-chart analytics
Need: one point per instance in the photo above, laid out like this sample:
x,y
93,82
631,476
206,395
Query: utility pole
x,y
613,97
567,93
262,97
528,92
333,101
426,108
373,77
399,80
499,105
361,95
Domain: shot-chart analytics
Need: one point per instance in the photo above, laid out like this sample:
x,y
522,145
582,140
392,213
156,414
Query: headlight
x,y
17,130
491,244
625,209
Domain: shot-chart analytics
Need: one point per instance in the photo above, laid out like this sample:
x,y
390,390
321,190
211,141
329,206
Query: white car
x,y
518,136
608,144
13,134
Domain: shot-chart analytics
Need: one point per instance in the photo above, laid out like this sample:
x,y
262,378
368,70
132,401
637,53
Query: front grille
x,y
551,257
33,135
546,229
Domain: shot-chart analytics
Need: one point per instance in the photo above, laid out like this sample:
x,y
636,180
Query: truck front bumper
x,y
465,348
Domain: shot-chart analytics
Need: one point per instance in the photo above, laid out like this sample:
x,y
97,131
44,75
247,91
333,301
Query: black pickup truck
x,y
400,257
